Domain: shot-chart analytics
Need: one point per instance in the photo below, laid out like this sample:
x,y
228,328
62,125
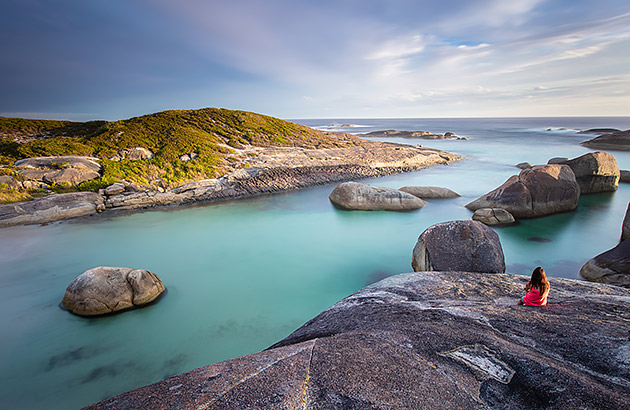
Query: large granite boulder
x,y
51,208
537,191
430,192
595,172
61,170
108,289
493,216
612,266
625,228
430,340
458,246
356,196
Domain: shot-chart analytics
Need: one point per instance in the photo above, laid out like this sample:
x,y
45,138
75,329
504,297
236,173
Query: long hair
x,y
539,280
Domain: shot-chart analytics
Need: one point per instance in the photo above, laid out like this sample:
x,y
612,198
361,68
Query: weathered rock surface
x,y
430,192
459,246
595,172
61,170
537,191
11,182
625,228
108,289
115,189
624,176
57,162
51,208
524,165
612,266
617,140
493,216
438,340
356,196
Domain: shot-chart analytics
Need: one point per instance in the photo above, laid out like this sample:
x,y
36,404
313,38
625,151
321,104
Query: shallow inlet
x,y
242,275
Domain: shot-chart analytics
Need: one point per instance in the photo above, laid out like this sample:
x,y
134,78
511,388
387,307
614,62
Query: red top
x,y
534,298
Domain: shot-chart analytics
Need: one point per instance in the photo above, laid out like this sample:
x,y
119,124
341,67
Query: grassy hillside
x,y
212,133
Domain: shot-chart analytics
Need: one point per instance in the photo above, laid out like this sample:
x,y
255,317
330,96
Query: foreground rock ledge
x,y
438,340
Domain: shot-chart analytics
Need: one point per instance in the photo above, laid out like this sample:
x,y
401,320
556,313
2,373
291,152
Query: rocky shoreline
x,y
261,171
392,345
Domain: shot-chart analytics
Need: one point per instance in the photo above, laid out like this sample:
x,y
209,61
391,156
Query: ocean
x,y
241,275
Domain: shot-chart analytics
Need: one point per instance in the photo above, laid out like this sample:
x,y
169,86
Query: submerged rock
x,y
493,216
537,191
108,289
356,196
612,266
430,192
458,246
441,340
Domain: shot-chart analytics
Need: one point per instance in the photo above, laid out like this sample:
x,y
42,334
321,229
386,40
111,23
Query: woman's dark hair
x,y
539,280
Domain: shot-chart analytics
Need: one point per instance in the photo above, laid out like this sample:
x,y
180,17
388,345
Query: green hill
x,y
212,133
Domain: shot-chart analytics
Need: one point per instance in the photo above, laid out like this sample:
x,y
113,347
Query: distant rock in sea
x,y
411,134
616,140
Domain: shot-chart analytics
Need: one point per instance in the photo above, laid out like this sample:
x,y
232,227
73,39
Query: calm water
x,y
243,275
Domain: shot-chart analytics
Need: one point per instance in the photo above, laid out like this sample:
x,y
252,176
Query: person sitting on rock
x,y
537,289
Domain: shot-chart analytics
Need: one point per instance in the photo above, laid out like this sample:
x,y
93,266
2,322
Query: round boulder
x,y
430,192
108,289
612,266
595,172
465,246
493,216
524,165
537,191
356,196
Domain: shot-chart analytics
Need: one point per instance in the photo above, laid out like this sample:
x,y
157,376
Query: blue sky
x,y
80,59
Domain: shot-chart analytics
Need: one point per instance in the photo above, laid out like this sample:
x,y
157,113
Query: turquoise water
x,y
242,275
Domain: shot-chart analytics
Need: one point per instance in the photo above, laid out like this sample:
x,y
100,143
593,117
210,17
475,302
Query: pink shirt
x,y
534,298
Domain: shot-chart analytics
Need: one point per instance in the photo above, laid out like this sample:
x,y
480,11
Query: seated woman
x,y
537,289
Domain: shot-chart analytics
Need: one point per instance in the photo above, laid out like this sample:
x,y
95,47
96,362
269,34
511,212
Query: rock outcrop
x,y
493,216
537,191
67,170
430,192
361,197
135,154
458,246
439,340
612,266
51,208
108,289
616,140
410,134
595,172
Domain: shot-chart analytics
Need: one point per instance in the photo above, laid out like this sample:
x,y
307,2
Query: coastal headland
x,y
53,170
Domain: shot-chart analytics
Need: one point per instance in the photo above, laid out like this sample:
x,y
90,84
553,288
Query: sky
x,y
88,59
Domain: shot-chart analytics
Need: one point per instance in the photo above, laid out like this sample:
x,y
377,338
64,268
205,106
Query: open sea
x,y
241,275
